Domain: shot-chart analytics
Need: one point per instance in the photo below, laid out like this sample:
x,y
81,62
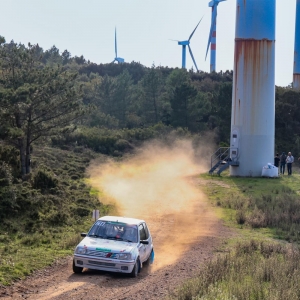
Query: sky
x,y
144,30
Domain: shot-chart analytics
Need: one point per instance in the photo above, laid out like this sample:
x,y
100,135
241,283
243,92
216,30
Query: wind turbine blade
x,y
174,40
191,53
213,21
116,52
194,30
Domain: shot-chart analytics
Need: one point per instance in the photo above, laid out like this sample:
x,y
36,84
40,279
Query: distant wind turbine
x,y
117,59
212,34
187,43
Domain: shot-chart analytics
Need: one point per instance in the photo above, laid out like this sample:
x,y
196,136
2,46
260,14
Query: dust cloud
x,y
157,185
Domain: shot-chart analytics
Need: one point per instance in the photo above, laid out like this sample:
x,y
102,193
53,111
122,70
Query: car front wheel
x,y
135,270
76,269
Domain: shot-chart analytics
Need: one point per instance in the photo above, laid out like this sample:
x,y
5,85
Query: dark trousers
x,y
282,168
289,168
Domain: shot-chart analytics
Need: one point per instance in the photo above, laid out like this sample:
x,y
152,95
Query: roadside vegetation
x,y
263,262
41,218
258,203
251,270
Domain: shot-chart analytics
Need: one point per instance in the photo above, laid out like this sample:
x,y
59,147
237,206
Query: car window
x,y
114,230
130,234
142,232
146,231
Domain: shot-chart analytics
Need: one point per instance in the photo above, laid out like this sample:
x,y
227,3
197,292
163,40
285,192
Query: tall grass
x,y
275,208
252,270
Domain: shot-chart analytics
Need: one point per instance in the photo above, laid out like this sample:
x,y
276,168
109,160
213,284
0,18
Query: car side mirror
x,y
144,242
83,234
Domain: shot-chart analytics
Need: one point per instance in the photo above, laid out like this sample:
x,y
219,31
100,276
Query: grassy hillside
x,y
44,214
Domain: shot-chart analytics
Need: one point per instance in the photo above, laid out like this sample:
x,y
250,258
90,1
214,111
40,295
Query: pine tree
x,y
36,101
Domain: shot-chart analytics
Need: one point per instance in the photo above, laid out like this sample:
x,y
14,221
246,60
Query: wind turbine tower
x,y
296,75
187,43
253,95
212,39
117,59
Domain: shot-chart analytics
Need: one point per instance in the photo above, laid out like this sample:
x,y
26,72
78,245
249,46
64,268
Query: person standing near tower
x,y
289,162
276,160
282,163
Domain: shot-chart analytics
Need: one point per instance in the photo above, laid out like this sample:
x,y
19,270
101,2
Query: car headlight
x,y
123,256
81,250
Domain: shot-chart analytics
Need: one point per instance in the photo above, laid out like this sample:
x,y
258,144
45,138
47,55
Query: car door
x,y
148,248
142,247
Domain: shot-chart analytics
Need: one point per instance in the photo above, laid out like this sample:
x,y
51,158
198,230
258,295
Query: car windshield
x,y
114,230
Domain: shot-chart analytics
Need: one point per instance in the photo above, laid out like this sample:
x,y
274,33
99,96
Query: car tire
x,y
135,269
76,269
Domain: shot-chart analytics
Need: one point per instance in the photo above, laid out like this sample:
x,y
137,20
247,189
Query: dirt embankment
x,y
165,191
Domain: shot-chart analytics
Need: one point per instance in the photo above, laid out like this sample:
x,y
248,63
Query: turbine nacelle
x,y
183,43
119,60
214,2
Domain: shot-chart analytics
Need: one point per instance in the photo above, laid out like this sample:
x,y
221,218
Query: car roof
x,y
126,220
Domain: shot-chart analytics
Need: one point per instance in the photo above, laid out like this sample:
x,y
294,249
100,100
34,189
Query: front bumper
x,y
104,264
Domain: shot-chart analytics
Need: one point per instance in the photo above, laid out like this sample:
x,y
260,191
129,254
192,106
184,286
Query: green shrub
x,y
81,211
4,238
241,216
10,155
44,181
123,145
31,240
56,218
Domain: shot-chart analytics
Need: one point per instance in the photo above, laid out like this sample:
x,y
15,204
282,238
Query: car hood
x,y
104,245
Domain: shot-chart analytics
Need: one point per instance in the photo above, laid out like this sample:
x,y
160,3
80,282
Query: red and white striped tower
x,y
212,39
213,43
296,74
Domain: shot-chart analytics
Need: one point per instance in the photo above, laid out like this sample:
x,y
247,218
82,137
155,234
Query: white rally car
x,y
115,244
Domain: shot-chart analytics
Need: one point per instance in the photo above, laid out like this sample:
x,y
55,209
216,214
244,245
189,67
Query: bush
x,y
10,156
81,211
44,181
241,216
56,218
